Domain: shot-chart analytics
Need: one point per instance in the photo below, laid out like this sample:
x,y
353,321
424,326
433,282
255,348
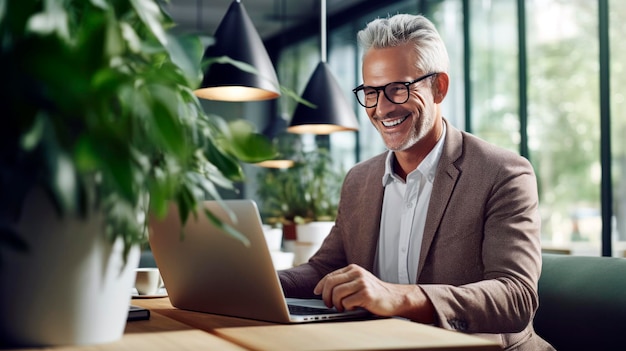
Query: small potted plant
x,y
302,198
101,127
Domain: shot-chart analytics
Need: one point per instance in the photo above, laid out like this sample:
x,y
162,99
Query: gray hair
x,y
403,28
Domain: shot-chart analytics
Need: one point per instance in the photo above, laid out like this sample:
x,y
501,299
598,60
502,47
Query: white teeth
x,y
394,122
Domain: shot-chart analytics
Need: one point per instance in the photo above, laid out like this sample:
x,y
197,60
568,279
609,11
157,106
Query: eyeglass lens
x,y
397,93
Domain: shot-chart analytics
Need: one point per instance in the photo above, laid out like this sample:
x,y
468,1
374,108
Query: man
x,y
441,229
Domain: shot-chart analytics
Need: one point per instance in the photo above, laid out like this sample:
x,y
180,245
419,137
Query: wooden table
x,y
173,329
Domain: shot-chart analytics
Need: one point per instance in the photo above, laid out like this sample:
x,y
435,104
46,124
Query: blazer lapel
x,y
445,180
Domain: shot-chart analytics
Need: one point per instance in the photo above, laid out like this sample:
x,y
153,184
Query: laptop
x,y
204,269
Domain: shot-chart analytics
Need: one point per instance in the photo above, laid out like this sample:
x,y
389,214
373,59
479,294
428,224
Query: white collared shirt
x,y
403,217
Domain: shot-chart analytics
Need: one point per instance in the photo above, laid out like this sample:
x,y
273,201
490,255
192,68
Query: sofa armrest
x,y
582,302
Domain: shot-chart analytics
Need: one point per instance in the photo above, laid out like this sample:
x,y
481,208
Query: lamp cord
x,y
323,31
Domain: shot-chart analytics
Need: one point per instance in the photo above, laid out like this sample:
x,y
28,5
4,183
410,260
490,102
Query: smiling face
x,y
416,124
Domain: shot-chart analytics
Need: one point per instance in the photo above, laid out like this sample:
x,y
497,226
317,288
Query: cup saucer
x,y
160,293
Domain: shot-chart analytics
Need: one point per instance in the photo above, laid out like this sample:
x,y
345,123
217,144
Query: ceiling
x,y
269,17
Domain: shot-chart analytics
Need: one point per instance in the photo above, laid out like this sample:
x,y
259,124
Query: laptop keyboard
x,y
305,310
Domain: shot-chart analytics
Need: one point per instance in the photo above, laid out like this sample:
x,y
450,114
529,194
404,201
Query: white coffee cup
x,y
274,238
282,260
147,281
310,237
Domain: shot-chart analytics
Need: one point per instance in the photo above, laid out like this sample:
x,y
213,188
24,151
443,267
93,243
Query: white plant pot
x,y
72,286
309,238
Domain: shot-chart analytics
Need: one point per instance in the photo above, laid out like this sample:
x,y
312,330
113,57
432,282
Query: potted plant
x,y
100,127
302,198
306,192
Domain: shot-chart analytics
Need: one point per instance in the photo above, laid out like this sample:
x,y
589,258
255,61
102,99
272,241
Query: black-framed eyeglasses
x,y
396,92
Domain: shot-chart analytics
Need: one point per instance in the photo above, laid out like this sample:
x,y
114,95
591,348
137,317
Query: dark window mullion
x,y
522,79
605,127
467,53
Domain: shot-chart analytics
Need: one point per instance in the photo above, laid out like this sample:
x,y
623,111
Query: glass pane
x,y
294,68
342,62
563,120
494,72
617,32
448,17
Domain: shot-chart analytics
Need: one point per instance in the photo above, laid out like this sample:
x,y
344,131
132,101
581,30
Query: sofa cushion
x,y
582,302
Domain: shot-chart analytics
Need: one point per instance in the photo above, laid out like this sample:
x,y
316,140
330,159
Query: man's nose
x,y
384,105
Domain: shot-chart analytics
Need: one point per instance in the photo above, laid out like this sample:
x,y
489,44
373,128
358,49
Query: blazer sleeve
x,y
300,281
483,266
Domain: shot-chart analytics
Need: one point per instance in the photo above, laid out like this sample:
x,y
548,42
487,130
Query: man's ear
x,y
440,87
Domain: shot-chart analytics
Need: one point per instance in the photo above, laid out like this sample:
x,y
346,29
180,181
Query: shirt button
x,y
403,250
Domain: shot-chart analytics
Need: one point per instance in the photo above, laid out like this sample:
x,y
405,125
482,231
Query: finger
x,y
324,289
318,290
320,286
328,292
345,296
354,299
327,285
330,281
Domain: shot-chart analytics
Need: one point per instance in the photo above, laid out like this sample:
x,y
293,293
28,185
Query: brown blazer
x,y
481,255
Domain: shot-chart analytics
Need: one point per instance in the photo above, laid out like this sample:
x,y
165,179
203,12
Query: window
x,y
564,120
494,73
550,109
448,17
341,46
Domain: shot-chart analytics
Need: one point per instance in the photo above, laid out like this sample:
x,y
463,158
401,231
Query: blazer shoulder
x,y
477,148
367,172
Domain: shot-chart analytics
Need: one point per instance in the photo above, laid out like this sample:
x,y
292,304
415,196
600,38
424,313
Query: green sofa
x,y
582,302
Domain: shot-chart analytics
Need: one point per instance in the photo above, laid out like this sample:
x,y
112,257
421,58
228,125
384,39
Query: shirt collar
x,y
428,167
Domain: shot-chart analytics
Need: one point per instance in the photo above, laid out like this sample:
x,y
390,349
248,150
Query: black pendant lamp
x,y
332,111
237,39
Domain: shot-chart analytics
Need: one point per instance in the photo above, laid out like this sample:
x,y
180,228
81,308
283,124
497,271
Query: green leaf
x,y
226,164
227,228
102,4
63,182
52,19
215,176
151,16
135,102
158,200
247,145
186,53
238,64
130,36
164,111
114,41
251,69
186,203
206,184
296,97
32,138
115,161
85,154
